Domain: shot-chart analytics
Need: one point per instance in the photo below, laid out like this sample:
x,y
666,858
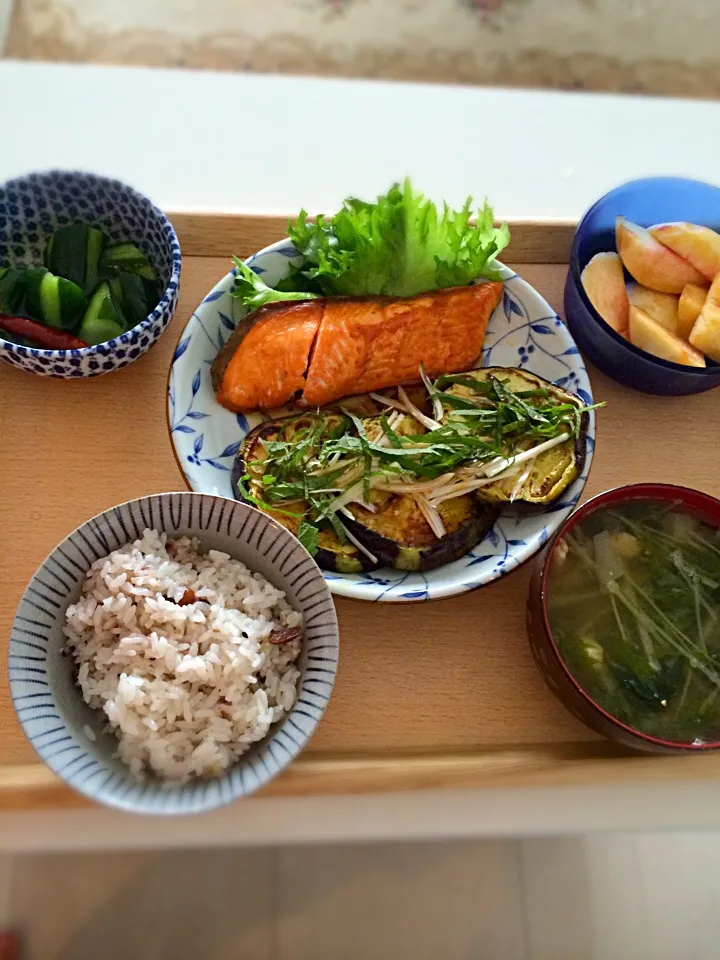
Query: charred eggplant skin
x,y
403,551
331,555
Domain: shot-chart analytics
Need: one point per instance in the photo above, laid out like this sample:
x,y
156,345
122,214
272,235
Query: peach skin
x,y
650,262
706,332
604,283
700,246
648,335
662,307
691,302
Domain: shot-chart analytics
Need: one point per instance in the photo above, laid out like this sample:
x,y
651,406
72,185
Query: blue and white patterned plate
x,y
523,332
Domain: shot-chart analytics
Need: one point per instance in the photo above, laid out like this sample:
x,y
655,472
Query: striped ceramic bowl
x,y
69,736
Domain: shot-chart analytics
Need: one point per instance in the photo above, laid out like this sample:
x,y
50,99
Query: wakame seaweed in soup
x,y
634,607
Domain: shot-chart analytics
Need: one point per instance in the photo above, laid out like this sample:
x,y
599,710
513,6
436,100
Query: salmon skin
x,y
325,349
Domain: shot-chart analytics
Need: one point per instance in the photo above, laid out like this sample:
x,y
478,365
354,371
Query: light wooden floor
x,y
612,897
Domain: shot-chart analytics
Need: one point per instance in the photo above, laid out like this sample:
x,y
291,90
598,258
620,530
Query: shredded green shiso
x,y
329,461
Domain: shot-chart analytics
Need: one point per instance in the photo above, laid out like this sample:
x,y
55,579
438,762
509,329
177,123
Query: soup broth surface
x,y
634,607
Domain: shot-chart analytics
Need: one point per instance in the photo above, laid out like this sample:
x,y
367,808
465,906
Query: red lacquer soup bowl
x,y
553,667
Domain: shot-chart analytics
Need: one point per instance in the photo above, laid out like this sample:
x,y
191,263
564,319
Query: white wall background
x,y
263,144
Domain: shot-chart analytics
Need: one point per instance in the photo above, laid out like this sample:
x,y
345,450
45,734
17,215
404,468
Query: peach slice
x,y
691,302
706,332
604,283
648,335
649,262
662,307
700,246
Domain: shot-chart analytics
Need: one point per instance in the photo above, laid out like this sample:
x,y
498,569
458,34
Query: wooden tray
x,y
437,695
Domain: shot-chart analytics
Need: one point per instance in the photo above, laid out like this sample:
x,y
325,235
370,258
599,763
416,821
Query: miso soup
x,y
634,606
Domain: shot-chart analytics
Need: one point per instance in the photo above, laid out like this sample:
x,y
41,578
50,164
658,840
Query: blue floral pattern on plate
x,y
523,332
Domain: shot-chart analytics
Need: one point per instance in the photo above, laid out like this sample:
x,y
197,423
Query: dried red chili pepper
x,y
48,338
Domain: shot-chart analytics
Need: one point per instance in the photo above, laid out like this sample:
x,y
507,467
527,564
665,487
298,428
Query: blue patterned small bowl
x,y
49,705
648,201
31,207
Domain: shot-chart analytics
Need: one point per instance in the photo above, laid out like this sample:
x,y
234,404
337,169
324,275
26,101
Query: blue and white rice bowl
x,y
74,740
33,206
524,331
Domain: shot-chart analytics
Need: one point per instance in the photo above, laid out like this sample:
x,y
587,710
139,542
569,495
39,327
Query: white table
x,y
249,143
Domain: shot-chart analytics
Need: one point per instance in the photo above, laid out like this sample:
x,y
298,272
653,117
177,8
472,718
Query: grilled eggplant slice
x,y
331,554
398,534
553,471
395,530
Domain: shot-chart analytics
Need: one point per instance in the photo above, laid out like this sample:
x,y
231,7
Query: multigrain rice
x,y
183,652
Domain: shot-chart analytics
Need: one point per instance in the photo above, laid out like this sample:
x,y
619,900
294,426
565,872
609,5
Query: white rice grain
x,y
187,689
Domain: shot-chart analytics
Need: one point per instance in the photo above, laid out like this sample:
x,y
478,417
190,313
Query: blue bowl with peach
x,y
642,296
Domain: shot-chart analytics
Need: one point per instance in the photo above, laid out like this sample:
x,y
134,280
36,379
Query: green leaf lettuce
x,y
401,245
254,293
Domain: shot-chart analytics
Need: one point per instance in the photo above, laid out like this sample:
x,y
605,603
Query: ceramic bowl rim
x,y
129,336
713,371
618,495
112,801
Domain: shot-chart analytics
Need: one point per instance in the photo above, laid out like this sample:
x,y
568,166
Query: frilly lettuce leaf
x,y
400,245
254,293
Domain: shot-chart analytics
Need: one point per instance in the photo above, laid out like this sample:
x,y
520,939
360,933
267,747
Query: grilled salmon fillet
x,y
364,345
269,365
331,348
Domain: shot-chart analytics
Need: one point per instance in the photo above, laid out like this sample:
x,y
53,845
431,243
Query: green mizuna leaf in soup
x,y
657,690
